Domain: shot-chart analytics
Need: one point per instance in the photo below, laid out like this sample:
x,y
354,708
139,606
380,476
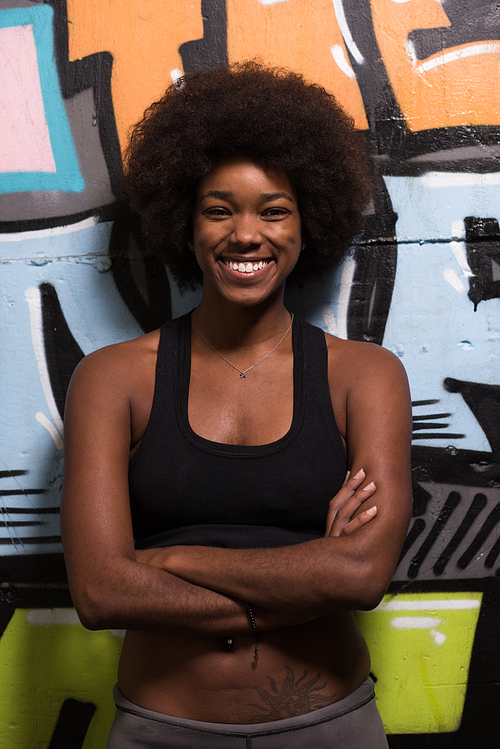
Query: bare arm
x,y
110,588
347,571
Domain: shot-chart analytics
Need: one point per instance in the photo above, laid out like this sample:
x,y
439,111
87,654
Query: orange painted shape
x,y
143,38
298,34
458,86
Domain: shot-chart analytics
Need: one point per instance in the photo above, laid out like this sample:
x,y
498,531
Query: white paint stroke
x,y
459,179
458,249
452,278
415,622
272,2
176,76
22,236
50,617
342,61
446,604
458,54
458,230
346,32
344,294
330,321
44,421
33,298
410,51
438,637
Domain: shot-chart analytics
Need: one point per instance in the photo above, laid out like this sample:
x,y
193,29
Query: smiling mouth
x,y
246,267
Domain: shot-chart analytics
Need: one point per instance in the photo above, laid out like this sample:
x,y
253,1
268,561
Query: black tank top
x,y
185,489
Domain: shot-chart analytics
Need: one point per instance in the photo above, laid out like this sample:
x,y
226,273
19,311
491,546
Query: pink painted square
x,y
25,140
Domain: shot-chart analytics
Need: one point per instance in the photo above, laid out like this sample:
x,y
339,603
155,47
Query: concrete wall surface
x,y
422,79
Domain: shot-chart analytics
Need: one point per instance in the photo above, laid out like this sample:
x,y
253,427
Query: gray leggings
x,y
351,723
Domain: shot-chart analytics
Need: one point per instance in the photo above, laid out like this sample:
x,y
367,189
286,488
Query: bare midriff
x,y
300,669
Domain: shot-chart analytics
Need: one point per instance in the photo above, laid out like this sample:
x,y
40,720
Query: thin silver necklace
x,y
243,373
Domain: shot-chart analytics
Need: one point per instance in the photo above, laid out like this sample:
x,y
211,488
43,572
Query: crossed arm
x,y
200,591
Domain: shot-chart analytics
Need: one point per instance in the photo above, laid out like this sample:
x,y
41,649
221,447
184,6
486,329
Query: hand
x,y
340,520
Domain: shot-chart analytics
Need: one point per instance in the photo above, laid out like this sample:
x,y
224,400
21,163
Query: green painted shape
x,y
44,664
421,646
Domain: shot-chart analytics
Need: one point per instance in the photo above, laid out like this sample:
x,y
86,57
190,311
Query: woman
x,y
206,505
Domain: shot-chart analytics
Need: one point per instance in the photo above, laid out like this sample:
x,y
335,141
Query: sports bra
x,y
185,489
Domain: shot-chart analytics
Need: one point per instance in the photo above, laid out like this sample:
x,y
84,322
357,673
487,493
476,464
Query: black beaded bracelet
x,y
255,633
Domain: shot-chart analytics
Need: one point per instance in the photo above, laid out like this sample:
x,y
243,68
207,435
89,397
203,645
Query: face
x,y
246,232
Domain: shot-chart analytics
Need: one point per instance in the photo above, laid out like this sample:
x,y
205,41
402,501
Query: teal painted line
x,y
67,176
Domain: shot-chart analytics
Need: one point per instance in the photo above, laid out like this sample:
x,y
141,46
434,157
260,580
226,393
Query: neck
x,y
231,326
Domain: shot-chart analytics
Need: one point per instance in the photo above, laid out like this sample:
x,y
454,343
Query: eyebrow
x,y
276,196
264,196
221,194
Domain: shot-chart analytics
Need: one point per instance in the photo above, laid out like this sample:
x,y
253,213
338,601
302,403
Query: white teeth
x,y
246,267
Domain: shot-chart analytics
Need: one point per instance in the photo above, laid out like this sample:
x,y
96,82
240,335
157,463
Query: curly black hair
x,y
271,116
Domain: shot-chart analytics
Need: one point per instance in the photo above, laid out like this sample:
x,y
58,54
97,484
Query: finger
x,y
339,515
359,521
356,480
345,493
347,476
346,502
343,496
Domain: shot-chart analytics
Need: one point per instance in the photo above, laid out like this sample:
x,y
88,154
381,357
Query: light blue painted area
x,y
429,205
67,176
84,242
432,324
97,317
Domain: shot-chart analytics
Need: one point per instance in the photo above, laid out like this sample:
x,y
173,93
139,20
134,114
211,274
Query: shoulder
x,y
366,382
115,370
358,362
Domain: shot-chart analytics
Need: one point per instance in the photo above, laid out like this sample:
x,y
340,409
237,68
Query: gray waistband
x,y
362,695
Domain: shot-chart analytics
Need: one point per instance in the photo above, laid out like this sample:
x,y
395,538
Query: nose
x,y
246,231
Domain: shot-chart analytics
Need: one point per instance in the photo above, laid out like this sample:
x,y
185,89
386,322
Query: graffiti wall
x,y
421,78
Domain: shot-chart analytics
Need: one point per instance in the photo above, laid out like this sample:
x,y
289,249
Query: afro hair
x,y
270,116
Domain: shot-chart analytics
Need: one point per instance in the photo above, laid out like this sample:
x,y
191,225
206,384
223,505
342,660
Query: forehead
x,y
244,177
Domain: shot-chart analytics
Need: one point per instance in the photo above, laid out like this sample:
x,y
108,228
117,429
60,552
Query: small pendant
x,y
243,375
229,643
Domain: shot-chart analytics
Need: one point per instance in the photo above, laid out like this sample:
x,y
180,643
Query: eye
x,y
275,212
217,212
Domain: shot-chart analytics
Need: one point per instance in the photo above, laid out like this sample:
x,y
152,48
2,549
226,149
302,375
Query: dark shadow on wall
x,y
141,280
72,725
400,151
470,21
375,257
62,352
211,51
